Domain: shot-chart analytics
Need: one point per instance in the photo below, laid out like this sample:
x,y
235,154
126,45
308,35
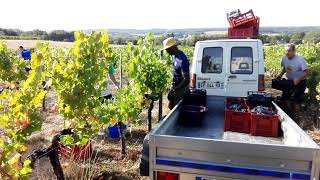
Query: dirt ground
x,y
106,162
106,156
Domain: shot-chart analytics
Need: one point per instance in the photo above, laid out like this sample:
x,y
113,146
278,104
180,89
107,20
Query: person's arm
x,y
185,74
282,73
302,77
111,76
185,81
283,70
114,81
304,68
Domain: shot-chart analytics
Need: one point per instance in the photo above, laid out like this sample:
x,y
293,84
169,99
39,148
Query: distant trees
x,y
119,40
193,39
312,37
185,38
297,38
57,35
60,35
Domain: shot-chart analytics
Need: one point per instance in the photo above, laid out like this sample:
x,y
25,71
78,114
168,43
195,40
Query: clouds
x,y
95,14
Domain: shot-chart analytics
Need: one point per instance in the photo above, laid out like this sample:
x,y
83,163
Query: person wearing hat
x,y
181,73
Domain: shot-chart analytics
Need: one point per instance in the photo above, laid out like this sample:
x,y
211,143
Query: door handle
x,y
232,76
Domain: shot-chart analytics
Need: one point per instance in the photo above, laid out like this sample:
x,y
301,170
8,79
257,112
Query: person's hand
x,y
296,81
279,77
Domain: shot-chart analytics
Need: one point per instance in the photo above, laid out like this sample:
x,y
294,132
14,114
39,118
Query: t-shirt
x,y
19,54
108,89
180,64
294,67
26,54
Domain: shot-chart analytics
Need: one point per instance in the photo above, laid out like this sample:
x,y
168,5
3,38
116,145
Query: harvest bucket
x,y
113,131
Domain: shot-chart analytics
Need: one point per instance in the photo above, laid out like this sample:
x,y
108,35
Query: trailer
x,y
175,152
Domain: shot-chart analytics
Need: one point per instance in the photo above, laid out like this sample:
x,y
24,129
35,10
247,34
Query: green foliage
x,y
146,70
11,68
19,118
77,75
273,56
188,51
125,107
312,37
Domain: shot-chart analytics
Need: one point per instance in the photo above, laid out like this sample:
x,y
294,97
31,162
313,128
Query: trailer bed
x,y
213,127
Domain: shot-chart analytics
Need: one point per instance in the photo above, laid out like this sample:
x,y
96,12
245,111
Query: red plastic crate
x,y
242,19
264,125
237,121
242,33
76,152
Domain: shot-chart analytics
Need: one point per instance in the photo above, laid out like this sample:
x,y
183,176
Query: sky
x,y
147,14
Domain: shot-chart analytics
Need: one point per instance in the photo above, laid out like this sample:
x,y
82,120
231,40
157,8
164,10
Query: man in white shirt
x,y
295,68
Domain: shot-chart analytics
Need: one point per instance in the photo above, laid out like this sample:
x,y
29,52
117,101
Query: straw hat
x,y
168,43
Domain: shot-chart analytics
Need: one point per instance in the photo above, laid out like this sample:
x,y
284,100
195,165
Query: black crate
x,y
282,85
259,99
196,97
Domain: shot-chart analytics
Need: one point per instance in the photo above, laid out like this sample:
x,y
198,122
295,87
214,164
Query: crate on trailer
x,y
237,121
258,98
264,124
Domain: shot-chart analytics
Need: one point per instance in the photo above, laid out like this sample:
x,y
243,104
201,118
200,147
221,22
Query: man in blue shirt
x,y
181,73
24,53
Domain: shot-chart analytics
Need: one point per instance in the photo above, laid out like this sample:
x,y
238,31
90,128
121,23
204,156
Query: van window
x,y
241,60
212,60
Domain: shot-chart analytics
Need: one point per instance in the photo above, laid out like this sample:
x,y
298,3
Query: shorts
x,y
296,93
105,98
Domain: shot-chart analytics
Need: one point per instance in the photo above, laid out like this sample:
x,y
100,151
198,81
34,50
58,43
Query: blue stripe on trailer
x,y
233,169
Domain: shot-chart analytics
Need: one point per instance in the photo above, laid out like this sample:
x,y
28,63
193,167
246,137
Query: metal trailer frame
x,y
201,158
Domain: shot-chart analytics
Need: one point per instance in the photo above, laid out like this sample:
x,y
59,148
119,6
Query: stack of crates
x,y
243,25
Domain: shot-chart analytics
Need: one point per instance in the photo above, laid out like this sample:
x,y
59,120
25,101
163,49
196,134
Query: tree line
x,y
56,35
185,39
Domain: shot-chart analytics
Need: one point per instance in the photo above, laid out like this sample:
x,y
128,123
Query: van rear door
x,y
242,68
211,67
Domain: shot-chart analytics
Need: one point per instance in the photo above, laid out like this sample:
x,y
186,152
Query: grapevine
x,y
19,118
